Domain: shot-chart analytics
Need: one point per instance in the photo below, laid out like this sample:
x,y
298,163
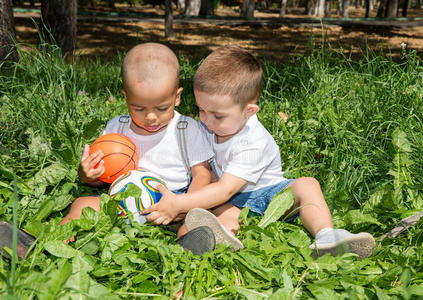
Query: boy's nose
x,y
151,116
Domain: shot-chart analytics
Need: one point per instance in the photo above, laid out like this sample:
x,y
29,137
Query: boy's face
x,y
151,105
221,115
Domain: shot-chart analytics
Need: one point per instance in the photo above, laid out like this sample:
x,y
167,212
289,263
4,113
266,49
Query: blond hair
x,y
230,71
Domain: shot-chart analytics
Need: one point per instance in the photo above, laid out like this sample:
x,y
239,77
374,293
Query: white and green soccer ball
x,y
147,182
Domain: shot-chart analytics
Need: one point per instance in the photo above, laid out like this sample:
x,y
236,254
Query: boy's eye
x,y
139,109
162,108
218,117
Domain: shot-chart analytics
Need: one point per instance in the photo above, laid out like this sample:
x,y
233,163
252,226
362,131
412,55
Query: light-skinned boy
x,y
247,163
150,75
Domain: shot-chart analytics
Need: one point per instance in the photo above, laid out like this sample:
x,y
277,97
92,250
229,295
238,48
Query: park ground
x,y
106,37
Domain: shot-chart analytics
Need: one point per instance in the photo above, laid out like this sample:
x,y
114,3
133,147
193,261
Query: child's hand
x,y
166,210
86,171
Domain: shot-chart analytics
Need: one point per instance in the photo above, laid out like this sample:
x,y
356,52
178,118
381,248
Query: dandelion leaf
x,y
59,249
277,207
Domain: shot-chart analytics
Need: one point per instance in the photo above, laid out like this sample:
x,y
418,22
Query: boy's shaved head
x,y
149,62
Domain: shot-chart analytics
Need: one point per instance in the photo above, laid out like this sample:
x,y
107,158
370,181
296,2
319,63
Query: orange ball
x,y
120,155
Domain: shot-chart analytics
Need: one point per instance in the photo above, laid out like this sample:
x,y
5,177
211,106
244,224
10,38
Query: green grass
x,y
354,125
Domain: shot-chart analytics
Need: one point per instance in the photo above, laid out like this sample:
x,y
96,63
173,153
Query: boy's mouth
x,y
152,128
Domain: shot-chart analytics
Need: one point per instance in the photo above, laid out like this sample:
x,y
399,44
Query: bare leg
x,y
314,211
77,206
228,216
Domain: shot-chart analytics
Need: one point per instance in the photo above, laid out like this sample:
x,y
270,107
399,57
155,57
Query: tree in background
x,y
168,18
247,9
192,7
328,6
283,8
387,8
319,9
58,23
308,7
7,32
207,8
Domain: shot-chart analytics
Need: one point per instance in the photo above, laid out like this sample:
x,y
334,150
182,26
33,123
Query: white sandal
x,y
197,217
361,244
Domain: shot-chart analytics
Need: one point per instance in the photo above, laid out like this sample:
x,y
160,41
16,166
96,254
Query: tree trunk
x,y
7,33
283,8
417,4
309,7
207,8
168,19
263,4
181,6
404,8
367,3
345,8
328,6
111,3
381,11
392,8
339,7
320,8
59,23
193,7
247,9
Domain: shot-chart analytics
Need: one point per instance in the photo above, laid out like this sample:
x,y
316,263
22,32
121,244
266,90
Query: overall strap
x,y
123,120
181,133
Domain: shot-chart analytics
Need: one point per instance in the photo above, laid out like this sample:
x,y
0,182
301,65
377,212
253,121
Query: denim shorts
x,y
181,191
259,200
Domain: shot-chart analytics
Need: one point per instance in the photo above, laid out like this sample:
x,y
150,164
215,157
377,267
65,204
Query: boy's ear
x,y
252,109
123,93
178,96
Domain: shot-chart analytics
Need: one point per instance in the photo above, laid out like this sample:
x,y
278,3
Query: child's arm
x,y
86,171
200,176
214,194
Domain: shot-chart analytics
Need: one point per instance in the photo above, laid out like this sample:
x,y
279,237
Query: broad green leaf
x,y
252,264
371,271
54,286
381,295
243,215
90,248
49,175
277,207
356,217
59,249
131,190
115,240
45,209
282,294
39,146
79,281
250,294
287,281
416,289
322,293
22,185
400,141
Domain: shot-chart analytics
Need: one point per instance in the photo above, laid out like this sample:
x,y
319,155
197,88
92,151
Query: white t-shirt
x,y
252,154
159,153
